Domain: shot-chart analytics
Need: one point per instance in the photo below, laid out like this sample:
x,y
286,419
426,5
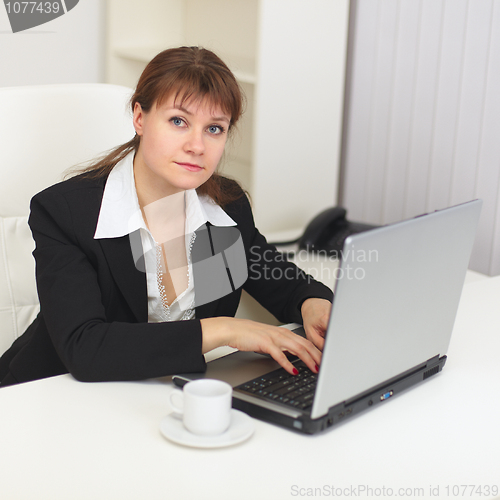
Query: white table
x,y
62,439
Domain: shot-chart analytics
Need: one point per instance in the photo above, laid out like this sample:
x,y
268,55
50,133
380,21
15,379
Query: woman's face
x,y
180,147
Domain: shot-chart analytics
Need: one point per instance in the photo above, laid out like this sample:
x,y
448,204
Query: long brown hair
x,y
186,73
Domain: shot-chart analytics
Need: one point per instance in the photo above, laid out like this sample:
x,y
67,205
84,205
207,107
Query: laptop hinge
x,y
432,361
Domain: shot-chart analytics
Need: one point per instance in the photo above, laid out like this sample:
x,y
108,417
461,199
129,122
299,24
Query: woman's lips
x,y
192,167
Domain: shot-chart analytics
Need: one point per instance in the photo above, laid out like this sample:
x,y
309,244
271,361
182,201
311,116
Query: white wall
x,y
299,124
69,49
423,115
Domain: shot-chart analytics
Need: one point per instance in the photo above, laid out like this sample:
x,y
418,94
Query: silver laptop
x,y
394,307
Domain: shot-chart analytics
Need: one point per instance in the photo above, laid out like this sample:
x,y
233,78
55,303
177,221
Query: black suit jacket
x,y
93,319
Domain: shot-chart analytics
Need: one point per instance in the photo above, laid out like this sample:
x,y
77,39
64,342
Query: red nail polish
x,y
295,371
317,368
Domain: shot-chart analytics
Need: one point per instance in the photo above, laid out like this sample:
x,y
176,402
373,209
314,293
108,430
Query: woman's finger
x,y
280,357
302,348
317,339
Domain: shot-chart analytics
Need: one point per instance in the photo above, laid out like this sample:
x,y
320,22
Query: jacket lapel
x,y
129,277
202,249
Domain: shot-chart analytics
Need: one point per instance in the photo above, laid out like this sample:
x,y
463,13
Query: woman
x,y
141,259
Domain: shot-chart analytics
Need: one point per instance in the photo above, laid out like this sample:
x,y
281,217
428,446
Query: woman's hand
x,y
247,335
315,314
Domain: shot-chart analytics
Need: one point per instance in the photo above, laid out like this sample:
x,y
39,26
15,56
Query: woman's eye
x,y
178,122
215,129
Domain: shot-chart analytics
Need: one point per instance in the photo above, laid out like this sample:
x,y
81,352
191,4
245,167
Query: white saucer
x,y
240,429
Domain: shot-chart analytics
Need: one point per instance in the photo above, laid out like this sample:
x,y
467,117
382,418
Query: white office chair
x,y
44,130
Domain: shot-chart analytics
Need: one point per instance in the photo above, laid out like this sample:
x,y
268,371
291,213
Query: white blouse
x,y
120,215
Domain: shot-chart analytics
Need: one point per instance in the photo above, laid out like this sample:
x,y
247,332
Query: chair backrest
x,y
44,130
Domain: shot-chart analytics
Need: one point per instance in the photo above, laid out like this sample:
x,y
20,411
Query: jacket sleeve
x,y
278,285
71,292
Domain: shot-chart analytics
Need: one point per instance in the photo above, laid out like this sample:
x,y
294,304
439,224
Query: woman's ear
x,y
138,118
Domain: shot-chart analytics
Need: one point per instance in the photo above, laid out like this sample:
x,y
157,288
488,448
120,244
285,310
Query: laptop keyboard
x,y
296,391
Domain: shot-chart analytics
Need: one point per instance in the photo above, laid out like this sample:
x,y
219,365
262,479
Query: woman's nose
x,y
194,143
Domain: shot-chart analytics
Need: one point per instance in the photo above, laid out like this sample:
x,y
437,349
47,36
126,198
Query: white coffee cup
x,y
206,406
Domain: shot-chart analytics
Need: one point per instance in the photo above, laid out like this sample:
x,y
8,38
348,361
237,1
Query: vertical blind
x,y
422,116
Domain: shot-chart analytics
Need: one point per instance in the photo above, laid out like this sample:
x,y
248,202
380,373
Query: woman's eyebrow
x,y
183,109
216,118
221,119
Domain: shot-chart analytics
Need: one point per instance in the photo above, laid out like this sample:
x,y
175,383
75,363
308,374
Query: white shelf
x,y
243,68
139,54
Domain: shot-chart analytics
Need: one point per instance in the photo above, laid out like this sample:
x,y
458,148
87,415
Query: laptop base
x,y
301,421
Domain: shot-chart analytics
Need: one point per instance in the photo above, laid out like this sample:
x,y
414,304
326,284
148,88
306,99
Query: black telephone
x,y
327,232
